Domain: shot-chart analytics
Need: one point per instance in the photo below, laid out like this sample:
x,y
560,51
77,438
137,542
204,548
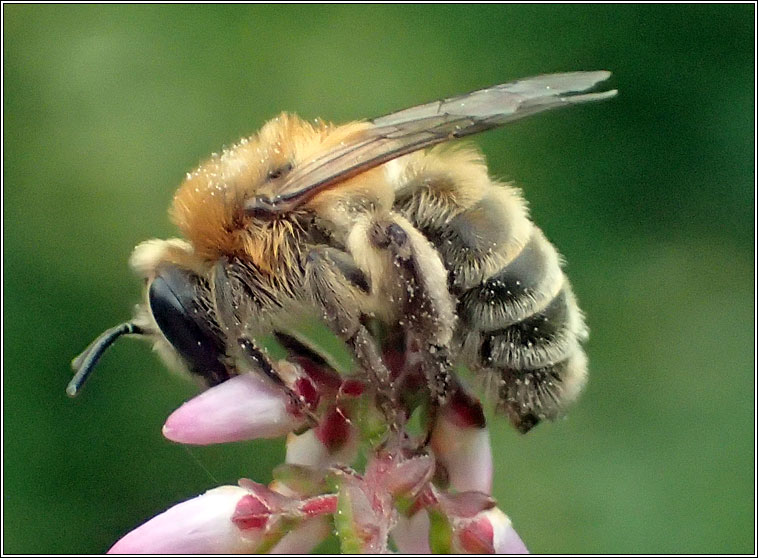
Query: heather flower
x,y
420,491
245,407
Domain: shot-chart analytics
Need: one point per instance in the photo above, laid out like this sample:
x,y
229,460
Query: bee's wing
x,y
500,104
422,126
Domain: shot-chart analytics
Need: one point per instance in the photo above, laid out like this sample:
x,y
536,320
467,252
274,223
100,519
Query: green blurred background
x,y
650,197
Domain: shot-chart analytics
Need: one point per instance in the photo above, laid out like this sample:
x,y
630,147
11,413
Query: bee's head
x,y
175,316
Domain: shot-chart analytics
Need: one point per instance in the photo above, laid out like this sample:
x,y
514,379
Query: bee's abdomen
x,y
526,329
542,339
526,313
519,323
522,288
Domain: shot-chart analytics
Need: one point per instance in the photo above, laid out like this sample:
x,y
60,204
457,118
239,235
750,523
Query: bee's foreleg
x,y
262,363
228,302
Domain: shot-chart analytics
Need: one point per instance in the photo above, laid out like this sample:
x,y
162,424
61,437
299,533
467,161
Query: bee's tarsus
x,y
86,361
263,364
525,423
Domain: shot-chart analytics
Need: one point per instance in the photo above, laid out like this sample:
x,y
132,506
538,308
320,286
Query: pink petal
x,y
464,505
465,453
411,534
308,450
505,538
304,537
334,429
242,408
201,525
490,532
399,476
370,516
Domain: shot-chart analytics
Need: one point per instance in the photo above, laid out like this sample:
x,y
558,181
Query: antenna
x,y
85,362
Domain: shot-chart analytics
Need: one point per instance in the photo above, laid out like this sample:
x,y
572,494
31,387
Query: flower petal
x,y
364,517
465,453
505,538
242,408
303,538
411,534
308,450
489,532
201,525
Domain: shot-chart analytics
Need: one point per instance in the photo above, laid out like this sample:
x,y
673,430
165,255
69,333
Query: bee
x,y
377,221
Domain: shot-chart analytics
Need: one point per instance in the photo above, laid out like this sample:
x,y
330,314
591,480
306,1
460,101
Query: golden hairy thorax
x,y
208,207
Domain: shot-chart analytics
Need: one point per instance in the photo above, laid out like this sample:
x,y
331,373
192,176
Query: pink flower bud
x,y
461,444
202,525
364,518
411,534
489,532
303,538
310,448
398,476
242,408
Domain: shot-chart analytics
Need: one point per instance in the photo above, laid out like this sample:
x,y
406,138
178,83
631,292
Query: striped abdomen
x,y
519,323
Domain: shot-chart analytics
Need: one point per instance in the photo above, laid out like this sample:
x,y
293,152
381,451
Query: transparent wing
x,y
426,125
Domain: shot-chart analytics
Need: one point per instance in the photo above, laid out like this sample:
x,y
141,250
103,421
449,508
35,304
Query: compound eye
x,y
173,297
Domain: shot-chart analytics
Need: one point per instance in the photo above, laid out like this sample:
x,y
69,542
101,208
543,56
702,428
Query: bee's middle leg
x,y
338,288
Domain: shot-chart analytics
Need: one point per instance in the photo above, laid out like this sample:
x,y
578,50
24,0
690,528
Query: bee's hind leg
x,y
427,314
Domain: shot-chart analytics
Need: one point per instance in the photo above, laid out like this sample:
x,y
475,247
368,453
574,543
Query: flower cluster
x,y
419,491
